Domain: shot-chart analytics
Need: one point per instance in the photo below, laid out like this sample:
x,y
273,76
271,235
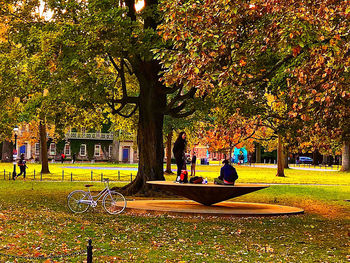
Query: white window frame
x,y
37,148
52,148
97,151
65,149
82,146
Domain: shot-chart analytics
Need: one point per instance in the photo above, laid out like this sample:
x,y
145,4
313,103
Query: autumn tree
x,y
96,47
292,50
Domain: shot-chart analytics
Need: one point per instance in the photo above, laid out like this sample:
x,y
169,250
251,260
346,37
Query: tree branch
x,y
190,94
182,115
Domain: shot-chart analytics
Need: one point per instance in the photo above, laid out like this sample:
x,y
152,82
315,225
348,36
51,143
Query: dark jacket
x,y
22,163
228,173
179,149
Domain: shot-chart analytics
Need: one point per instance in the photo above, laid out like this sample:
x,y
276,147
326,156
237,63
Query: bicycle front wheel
x,y
78,201
114,202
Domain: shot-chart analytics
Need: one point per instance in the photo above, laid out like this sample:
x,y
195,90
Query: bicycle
x,y
113,202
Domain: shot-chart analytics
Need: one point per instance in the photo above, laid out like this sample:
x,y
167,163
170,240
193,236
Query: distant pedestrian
x,y
63,156
73,158
22,166
179,150
193,164
240,158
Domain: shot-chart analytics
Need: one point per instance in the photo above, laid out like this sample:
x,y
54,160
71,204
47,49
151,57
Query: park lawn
x,y
35,221
246,174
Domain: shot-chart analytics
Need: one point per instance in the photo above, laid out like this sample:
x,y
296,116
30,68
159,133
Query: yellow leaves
x,y
45,92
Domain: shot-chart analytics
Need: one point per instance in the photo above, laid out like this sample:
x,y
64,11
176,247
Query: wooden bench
x,y
207,194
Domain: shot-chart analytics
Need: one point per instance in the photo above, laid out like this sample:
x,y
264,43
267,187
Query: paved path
x,y
102,168
327,169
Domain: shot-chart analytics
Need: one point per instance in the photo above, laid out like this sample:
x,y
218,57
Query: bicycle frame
x,y
101,194
113,202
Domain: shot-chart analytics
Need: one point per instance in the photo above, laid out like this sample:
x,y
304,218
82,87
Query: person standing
x,y
73,158
193,164
62,157
22,166
179,153
241,158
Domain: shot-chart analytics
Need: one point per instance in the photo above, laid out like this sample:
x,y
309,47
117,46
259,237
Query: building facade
x,y
84,146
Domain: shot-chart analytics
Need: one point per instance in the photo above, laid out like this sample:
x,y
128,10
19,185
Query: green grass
x,y
246,174
35,221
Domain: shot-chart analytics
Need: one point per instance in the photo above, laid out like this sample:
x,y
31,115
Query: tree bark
x,y
345,156
258,153
115,149
286,162
280,158
150,129
168,153
230,154
7,151
43,148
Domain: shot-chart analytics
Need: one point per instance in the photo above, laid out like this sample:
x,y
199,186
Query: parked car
x,y
305,159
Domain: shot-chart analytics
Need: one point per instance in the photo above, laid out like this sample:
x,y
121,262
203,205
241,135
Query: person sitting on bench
x,y
228,174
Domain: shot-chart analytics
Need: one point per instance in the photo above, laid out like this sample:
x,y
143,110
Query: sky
x,y
47,14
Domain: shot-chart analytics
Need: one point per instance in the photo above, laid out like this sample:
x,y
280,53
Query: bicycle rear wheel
x,y
114,202
78,201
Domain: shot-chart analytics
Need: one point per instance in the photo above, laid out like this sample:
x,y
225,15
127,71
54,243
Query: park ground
x,y
35,221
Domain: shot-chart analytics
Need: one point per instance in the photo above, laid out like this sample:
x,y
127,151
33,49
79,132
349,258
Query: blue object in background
x,y
237,151
125,154
22,149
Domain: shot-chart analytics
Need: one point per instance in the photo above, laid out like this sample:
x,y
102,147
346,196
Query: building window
x,y
82,150
37,148
97,150
110,148
67,149
52,148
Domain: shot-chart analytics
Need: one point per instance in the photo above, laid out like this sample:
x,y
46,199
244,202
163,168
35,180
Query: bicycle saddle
x,y
89,185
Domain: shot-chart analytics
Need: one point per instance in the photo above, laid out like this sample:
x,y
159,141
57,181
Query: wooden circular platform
x,y
207,194
184,207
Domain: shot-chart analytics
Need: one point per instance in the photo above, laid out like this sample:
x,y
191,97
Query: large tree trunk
x,y
7,148
168,153
152,102
280,158
43,148
345,156
258,153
